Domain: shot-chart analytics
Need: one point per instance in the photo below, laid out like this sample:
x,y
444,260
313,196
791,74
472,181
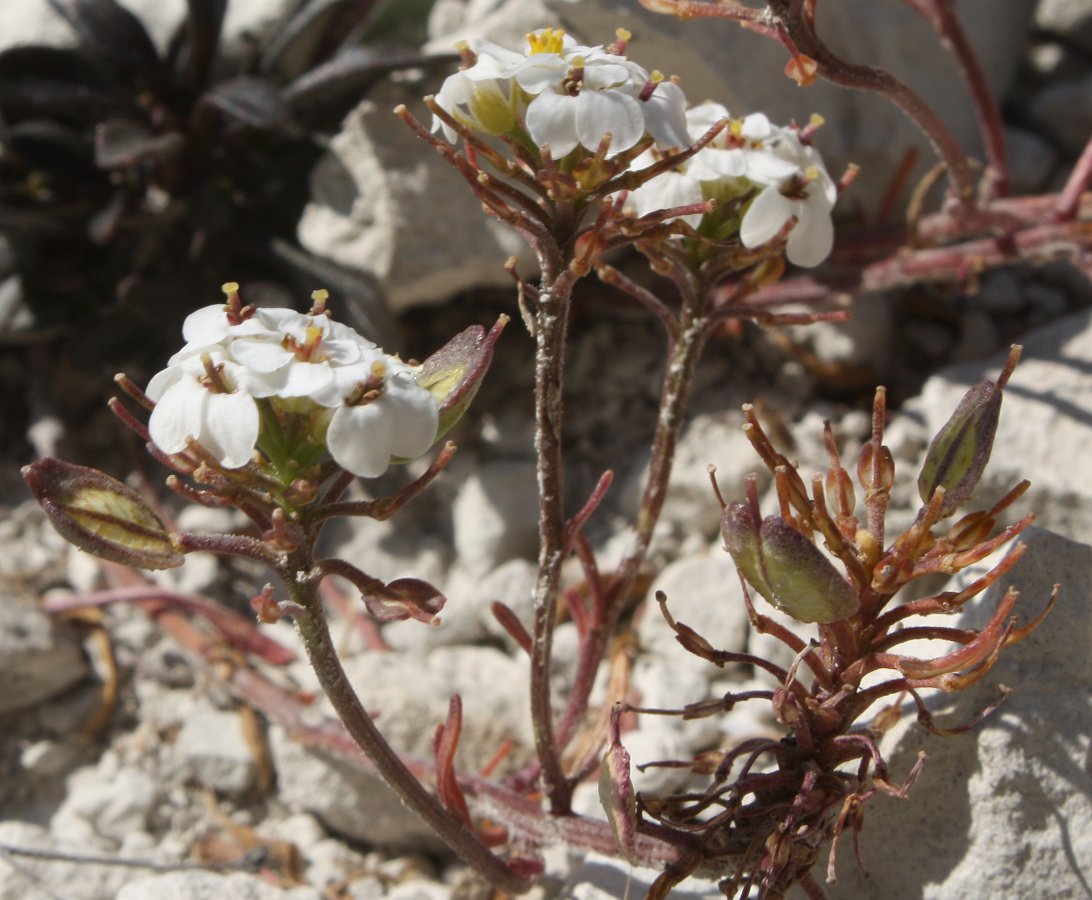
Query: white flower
x,y
385,413
578,95
750,153
209,398
299,354
808,194
210,390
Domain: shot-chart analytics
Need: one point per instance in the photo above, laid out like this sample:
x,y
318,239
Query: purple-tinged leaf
x,y
616,792
405,598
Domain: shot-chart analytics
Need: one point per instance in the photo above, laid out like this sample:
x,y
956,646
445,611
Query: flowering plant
x,y
276,412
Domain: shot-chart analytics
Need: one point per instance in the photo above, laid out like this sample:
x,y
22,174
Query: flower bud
x,y
785,567
491,111
101,515
961,449
454,373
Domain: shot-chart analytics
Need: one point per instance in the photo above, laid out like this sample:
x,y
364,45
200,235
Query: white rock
x,y
494,515
1006,809
704,593
691,507
212,748
27,878
210,886
39,655
664,684
419,889
1044,422
603,878
348,799
513,584
111,804
383,202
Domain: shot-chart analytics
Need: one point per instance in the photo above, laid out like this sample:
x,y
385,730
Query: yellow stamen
x,y
816,120
318,300
811,173
548,40
656,76
229,288
623,35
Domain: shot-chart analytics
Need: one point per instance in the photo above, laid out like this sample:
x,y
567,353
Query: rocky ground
x,y
129,767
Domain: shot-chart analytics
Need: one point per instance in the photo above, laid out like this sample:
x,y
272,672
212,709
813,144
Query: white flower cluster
x,y
564,95
751,153
210,388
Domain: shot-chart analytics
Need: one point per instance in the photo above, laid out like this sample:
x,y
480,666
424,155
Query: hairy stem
x,y
683,355
313,629
551,323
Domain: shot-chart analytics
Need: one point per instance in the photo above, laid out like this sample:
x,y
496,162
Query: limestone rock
x,y
1006,809
1044,422
39,655
384,203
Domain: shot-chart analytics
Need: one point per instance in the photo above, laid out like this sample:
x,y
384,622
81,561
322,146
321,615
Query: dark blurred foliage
x,y
134,182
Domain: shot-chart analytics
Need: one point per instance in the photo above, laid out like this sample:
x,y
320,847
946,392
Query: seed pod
x,y
454,373
785,567
101,515
961,449
616,792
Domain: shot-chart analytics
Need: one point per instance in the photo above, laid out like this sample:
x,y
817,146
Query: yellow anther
x,y
623,35
811,173
229,288
548,40
656,76
816,120
379,369
735,128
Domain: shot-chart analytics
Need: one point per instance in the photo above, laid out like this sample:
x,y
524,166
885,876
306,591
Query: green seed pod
x,y
961,449
785,567
101,515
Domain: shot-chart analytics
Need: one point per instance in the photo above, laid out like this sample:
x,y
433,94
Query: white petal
x,y
666,191
261,356
701,118
603,73
161,381
600,112
231,428
764,167
416,417
711,164
768,212
811,241
540,72
665,116
304,379
208,325
756,127
178,415
551,123
359,439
